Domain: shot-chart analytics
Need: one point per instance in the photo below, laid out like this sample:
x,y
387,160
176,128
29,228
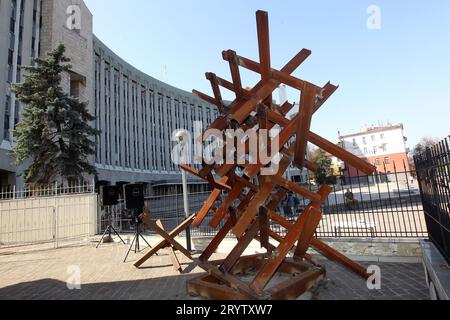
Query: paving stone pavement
x,y
43,275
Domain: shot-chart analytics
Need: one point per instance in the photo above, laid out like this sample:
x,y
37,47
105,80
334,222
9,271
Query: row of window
x,y
16,64
364,139
383,147
386,160
136,122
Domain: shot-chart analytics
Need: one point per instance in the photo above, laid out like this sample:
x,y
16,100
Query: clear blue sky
x,y
400,73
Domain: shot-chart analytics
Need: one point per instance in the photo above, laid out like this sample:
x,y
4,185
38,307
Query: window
x,y
366,151
364,140
374,150
384,147
6,135
382,136
378,162
354,142
16,113
373,138
387,160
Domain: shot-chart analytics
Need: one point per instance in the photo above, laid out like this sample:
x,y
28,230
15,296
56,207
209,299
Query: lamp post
x,y
182,140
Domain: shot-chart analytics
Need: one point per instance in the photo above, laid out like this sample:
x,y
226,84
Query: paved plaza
x,y
103,275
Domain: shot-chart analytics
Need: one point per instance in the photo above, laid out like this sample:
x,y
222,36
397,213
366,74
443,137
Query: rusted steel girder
x,y
245,199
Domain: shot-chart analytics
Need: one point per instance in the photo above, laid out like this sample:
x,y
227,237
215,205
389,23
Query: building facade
x,y
384,147
19,43
136,113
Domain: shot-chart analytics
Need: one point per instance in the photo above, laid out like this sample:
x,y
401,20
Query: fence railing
x,y
383,206
54,221
56,189
433,169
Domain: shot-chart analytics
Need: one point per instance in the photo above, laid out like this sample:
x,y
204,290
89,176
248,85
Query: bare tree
x,y
426,142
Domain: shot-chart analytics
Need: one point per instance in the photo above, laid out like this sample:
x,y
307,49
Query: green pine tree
x,y
54,132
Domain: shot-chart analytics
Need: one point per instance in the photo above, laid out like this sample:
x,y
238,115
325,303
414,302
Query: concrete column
x,y
112,117
139,126
102,110
14,75
130,123
148,155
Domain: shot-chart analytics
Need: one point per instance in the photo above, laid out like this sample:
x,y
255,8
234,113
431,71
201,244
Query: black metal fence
x,y
433,169
382,206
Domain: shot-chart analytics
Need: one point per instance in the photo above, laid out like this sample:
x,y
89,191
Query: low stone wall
x,y
381,250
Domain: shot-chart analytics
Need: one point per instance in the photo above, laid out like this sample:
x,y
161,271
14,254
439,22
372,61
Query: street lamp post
x,y
186,208
182,142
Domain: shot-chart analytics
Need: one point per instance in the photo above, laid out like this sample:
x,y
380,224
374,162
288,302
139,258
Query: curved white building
x,y
135,112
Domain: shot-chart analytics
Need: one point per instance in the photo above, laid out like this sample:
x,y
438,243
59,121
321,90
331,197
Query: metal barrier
x,y
433,169
384,206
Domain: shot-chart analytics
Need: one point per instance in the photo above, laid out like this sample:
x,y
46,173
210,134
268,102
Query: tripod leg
x,y
136,248
103,236
129,249
148,244
117,233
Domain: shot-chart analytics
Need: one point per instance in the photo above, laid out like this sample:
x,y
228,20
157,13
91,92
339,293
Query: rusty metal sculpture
x,y
258,195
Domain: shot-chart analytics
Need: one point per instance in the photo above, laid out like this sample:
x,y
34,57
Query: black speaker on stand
x,y
109,196
134,200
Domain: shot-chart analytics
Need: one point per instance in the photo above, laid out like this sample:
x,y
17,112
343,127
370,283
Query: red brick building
x,y
382,146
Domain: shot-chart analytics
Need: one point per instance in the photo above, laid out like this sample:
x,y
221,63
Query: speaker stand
x,y
109,230
135,241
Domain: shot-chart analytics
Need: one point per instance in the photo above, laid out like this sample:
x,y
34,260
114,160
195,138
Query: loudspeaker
x,y
109,195
134,196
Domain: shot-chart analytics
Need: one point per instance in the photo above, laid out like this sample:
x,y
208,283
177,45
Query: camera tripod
x,y
109,230
136,237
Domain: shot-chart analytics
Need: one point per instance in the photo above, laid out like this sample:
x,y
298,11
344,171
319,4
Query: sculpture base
x,y
300,277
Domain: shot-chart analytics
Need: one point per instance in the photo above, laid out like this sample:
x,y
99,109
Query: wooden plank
x,y
288,69
280,220
216,91
268,270
334,255
328,90
266,245
234,194
259,199
246,183
231,281
169,239
161,244
215,183
170,251
277,198
239,249
262,22
245,201
289,130
239,112
297,188
207,206
204,286
308,102
283,138
264,226
246,94
308,232
295,287
270,267
217,240
323,248
276,75
283,110
207,98
235,73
